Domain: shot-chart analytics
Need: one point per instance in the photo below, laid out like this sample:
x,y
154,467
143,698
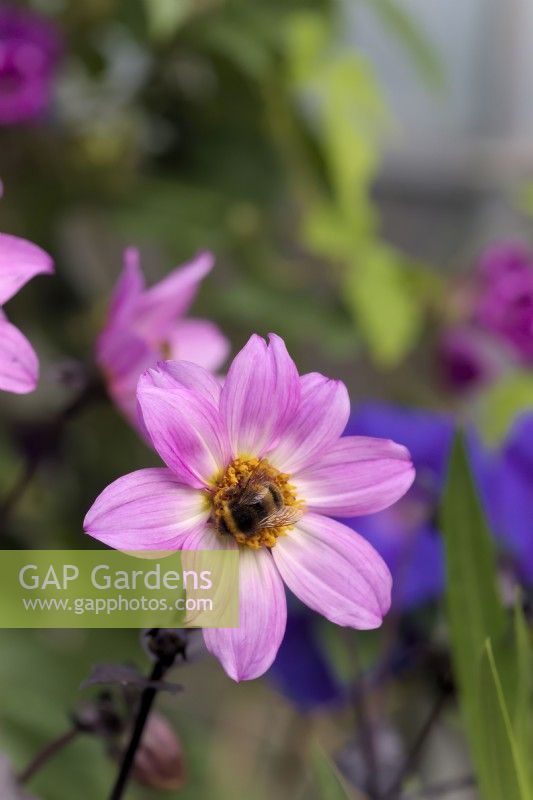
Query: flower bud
x,y
173,645
159,762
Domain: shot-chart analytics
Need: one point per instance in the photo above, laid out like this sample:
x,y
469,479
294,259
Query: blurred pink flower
x,y
145,326
258,465
30,47
504,303
20,261
468,358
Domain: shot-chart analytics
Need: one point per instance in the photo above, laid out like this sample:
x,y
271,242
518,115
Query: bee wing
x,y
253,489
284,516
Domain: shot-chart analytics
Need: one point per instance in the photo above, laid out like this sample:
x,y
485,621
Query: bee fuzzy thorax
x,y
254,502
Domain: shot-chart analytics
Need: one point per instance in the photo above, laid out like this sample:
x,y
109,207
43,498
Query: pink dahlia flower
x,y
259,465
20,261
147,325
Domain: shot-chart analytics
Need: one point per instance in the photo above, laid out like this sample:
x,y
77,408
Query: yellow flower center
x,y
254,502
165,348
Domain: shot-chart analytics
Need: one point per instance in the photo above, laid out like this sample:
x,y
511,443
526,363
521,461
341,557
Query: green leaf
x,y
524,199
347,115
165,17
503,775
495,685
325,232
523,684
473,604
246,34
353,117
327,778
306,38
503,402
380,296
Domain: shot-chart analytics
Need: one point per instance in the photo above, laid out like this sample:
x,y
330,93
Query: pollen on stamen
x,y
254,502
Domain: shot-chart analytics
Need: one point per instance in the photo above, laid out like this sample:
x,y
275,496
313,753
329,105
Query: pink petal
x,y
334,571
19,367
260,396
199,341
321,418
128,290
248,651
169,299
358,475
185,429
146,510
207,539
166,374
197,550
20,261
123,357
124,396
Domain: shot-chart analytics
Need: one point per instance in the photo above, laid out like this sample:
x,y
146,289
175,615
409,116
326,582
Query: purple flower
x,y
511,497
20,261
468,358
145,326
302,671
406,534
504,304
30,47
258,465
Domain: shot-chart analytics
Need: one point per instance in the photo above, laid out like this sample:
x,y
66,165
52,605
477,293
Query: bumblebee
x,y
255,506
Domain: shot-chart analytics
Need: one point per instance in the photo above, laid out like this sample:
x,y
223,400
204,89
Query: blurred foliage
x,y
492,657
524,198
503,402
247,128
506,770
339,222
244,127
240,741
330,784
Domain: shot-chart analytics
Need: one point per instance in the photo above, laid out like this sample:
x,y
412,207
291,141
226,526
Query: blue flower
x,y
406,535
511,497
302,670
